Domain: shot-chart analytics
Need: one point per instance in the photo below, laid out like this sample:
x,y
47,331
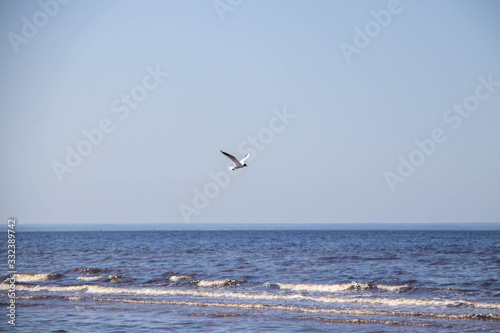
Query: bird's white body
x,y
237,164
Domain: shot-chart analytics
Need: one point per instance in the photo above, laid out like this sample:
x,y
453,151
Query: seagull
x,y
237,164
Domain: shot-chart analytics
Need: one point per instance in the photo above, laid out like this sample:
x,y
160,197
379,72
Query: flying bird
x,y
237,164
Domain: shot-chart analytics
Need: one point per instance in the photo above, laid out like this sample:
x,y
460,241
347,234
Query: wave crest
x,y
24,277
335,288
96,289
180,277
218,283
90,278
330,288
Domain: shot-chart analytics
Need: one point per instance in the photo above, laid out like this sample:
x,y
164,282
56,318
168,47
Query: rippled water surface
x,y
293,281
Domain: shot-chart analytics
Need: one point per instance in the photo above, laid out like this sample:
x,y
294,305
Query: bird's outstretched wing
x,y
245,158
231,157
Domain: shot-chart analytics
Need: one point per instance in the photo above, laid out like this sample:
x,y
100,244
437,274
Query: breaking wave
x,y
218,283
35,277
358,312
90,278
180,277
334,288
331,288
392,288
97,289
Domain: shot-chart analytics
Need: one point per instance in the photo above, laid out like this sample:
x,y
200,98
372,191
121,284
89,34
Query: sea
x,y
253,281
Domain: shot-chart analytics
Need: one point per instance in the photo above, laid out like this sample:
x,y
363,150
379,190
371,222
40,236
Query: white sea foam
x,y
96,289
180,277
330,288
5,286
359,312
444,288
247,306
335,288
32,297
355,321
33,277
114,278
90,278
217,283
392,288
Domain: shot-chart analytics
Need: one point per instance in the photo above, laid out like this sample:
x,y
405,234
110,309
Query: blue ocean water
x,y
256,281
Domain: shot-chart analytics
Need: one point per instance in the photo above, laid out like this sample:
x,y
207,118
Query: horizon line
x,y
172,226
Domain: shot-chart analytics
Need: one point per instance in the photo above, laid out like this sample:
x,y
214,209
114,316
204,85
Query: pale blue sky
x,y
352,120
